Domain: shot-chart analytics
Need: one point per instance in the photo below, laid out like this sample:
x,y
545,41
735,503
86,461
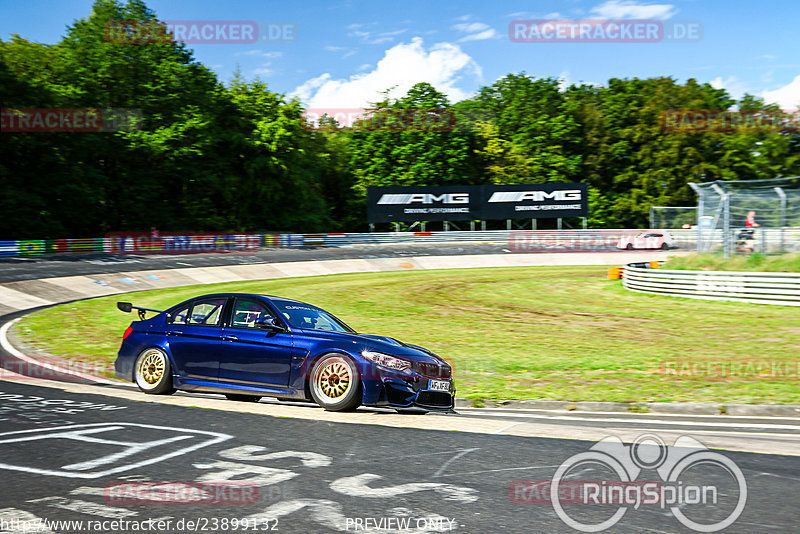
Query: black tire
x,y
664,246
629,246
242,398
335,383
153,373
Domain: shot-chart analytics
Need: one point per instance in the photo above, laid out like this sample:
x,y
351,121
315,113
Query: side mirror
x,y
268,323
124,306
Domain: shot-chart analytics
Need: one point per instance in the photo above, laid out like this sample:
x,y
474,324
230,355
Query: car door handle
x,y
230,338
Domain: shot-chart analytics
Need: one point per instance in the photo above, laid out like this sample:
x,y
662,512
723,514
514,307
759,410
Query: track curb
x,y
675,408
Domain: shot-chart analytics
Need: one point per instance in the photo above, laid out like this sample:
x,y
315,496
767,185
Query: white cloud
x,y
260,53
443,65
476,31
565,80
735,87
787,97
263,71
529,15
371,37
628,9
303,92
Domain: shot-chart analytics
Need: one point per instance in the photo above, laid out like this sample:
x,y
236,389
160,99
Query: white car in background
x,y
653,239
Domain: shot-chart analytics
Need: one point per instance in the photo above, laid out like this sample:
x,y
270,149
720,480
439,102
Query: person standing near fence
x,y
750,221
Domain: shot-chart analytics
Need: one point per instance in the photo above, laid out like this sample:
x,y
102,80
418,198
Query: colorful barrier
x,y
144,243
517,241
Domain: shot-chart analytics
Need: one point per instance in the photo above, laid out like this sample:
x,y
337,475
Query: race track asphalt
x,y
80,456
194,463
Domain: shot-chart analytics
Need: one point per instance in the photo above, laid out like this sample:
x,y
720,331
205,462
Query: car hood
x,y
385,344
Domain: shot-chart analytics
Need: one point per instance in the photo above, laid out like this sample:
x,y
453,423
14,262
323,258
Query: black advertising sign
x,y
421,203
474,202
534,201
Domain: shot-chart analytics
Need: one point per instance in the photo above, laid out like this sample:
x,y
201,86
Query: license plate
x,y
438,385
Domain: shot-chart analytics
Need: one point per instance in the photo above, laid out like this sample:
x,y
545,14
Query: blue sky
x,y
346,51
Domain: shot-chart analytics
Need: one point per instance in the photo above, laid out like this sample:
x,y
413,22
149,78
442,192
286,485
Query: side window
x,y
180,316
207,312
246,311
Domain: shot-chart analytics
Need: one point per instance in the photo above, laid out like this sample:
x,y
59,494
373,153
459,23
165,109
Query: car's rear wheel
x,y
335,383
242,398
629,246
664,246
153,373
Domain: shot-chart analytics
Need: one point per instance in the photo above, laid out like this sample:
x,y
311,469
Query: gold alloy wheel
x,y
151,368
334,379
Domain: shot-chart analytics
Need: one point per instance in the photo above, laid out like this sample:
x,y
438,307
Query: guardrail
x,y
759,288
518,241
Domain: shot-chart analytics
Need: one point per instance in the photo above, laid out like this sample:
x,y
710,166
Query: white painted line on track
x,y
8,347
641,421
542,411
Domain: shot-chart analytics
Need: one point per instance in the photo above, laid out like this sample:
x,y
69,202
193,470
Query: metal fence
x,y
736,207
518,241
759,288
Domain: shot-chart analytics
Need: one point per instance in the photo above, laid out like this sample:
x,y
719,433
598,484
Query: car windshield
x,y
300,315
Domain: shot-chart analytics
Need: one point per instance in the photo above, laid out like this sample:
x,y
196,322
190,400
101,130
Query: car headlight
x,y
386,361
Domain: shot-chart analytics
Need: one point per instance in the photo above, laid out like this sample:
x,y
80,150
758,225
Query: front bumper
x,y
396,390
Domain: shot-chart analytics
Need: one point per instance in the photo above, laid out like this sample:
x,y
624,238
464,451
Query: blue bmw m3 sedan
x,y
248,346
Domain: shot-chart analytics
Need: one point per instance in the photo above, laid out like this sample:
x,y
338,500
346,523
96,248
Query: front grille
x,y
433,370
434,398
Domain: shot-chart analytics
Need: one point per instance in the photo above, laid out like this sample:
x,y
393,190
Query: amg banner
x,y
539,201
476,202
421,203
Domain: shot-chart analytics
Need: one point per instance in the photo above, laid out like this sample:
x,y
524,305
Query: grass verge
x,y
754,262
515,333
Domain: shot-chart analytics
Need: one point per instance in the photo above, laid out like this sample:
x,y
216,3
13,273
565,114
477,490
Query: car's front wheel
x,y
335,383
629,246
153,372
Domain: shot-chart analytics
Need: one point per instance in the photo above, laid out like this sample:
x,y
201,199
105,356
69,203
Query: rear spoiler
x,y
127,307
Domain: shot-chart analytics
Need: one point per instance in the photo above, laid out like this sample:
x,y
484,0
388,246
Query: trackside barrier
x,y
759,288
517,241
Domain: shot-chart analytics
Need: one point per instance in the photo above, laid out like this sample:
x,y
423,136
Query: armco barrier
x,y
517,241
759,288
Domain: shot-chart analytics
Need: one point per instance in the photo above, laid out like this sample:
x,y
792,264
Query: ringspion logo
x,y
687,484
